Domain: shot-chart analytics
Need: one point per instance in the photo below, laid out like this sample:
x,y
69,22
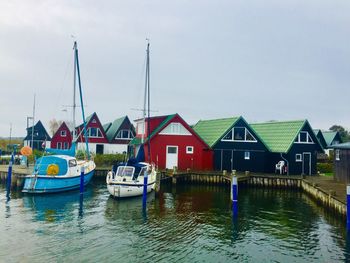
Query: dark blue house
x,y
40,137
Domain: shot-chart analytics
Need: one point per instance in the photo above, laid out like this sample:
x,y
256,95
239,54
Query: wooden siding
x,y
342,166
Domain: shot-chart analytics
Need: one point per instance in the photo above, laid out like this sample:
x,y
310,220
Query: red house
x,y
96,134
173,144
62,139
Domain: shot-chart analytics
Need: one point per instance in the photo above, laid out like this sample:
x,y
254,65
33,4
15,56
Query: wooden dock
x,y
325,190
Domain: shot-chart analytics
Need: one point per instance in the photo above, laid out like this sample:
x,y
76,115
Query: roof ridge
x,y
233,117
272,122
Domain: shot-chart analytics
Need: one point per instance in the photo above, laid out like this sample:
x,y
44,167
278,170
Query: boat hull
x,y
53,184
121,190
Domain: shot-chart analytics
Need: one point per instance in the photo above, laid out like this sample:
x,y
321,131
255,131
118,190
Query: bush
x,y
325,167
109,159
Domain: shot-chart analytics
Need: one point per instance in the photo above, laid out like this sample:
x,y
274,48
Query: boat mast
x,y
81,98
33,123
74,90
149,103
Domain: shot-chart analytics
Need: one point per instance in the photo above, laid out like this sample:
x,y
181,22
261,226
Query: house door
x,y
307,163
227,160
99,148
171,156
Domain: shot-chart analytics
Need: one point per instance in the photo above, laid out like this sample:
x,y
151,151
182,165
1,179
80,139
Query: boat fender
x,y
52,169
108,177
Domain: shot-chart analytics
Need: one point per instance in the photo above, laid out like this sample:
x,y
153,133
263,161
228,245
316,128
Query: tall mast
x,y
149,102
33,123
81,99
74,90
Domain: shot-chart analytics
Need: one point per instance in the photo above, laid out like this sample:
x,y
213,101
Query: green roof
x,y
112,131
212,130
106,126
278,136
329,136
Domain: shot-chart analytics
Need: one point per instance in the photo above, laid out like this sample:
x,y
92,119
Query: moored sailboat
x,y
135,176
62,171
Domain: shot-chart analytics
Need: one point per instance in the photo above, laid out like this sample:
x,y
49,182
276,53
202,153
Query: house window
x,y
298,157
337,155
304,137
125,135
94,132
93,121
63,133
189,149
246,155
66,145
59,145
239,134
175,128
140,127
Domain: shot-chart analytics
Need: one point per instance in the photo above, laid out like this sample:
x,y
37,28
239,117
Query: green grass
x,y
328,174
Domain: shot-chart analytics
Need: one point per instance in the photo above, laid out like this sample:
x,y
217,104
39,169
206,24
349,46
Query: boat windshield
x,y
142,171
125,171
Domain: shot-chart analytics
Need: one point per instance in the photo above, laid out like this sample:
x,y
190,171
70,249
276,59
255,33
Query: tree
x,y
54,125
344,134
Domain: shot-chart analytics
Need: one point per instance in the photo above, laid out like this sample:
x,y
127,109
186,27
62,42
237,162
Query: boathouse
x,y
235,144
119,134
291,143
96,134
342,162
41,138
173,143
62,139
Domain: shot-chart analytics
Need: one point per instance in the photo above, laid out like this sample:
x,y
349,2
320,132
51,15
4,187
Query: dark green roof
x,y
113,129
212,130
329,136
345,145
106,126
278,136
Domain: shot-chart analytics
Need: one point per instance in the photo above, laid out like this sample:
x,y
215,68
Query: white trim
x,y
63,133
177,156
246,155
308,137
188,151
298,159
175,128
130,135
245,136
337,154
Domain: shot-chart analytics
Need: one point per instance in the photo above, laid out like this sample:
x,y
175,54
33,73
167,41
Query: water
x,y
185,224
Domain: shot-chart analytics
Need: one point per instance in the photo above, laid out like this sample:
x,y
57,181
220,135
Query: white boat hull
x,y
121,190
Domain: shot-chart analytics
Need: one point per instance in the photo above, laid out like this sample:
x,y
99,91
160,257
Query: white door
x,y
171,156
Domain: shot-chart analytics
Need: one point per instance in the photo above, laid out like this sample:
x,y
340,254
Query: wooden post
x,y
157,185
348,207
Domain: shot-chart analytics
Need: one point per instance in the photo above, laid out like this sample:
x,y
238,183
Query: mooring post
x,y
144,196
157,186
348,206
8,180
234,194
82,174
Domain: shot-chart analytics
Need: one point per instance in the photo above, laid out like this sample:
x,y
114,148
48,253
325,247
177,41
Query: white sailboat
x,y
127,179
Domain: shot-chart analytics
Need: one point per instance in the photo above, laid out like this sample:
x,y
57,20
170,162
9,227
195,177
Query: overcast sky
x,y
264,60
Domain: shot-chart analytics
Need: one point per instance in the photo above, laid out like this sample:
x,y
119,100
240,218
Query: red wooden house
x,y
96,134
62,139
173,144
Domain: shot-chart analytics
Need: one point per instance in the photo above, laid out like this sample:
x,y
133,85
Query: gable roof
x,y
106,126
345,145
212,130
38,127
167,119
329,136
114,128
320,137
279,136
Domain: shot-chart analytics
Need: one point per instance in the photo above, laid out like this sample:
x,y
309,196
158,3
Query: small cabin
x,y
40,137
342,162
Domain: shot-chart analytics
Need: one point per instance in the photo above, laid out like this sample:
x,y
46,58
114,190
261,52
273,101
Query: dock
x,y
325,190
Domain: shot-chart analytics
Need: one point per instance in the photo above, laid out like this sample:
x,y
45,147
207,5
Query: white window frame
x,y
120,132
337,154
308,138
63,133
93,121
233,135
98,131
175,128
189,149
140,127
298,157
246,155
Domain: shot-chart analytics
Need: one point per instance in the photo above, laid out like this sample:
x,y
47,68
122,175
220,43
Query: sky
x,y
260,59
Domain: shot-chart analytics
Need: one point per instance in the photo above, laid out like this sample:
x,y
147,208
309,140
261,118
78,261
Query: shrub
x,y
109,159
325,167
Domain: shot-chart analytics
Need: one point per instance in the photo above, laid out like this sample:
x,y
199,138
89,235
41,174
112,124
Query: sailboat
x,y
62,171
127,179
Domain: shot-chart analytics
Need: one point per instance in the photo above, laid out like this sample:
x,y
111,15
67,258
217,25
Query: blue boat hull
x,y
54,184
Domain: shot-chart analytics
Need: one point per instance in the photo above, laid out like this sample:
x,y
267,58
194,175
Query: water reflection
x,y
56,207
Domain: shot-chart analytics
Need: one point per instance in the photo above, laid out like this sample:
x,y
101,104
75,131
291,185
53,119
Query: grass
x,y
328,174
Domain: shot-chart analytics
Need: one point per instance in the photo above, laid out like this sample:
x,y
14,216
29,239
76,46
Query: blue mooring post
x,y
144,196
82,179
9,178
348,207
234,195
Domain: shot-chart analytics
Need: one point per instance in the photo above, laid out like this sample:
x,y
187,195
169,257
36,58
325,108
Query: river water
x,y
185,224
